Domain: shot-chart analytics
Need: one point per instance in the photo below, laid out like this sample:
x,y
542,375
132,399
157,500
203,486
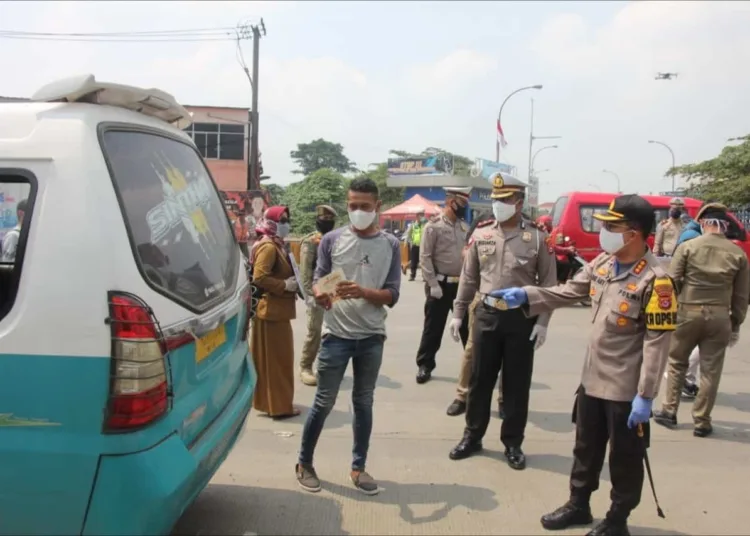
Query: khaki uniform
x,y
440,255
633,315
500,258
441,248
667,234
712,275
632,325
308,259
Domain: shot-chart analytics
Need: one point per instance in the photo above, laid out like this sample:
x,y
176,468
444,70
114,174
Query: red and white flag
x,y
501,135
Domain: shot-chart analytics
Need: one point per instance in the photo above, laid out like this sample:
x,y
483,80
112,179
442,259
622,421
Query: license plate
x,y
209,342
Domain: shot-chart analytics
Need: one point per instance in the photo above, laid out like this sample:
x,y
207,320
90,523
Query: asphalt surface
x,y
702,484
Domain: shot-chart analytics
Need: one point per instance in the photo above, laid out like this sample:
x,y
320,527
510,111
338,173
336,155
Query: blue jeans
x,y
366,355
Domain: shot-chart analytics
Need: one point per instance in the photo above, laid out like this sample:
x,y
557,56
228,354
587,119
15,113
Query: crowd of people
x,y
496,285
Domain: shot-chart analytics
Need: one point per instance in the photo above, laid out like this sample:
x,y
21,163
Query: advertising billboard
x,y
437,164
486,168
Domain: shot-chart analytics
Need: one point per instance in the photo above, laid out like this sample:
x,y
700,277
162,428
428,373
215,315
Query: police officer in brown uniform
x,y
505,252
440,256
324,222
668,231
634,311
712,276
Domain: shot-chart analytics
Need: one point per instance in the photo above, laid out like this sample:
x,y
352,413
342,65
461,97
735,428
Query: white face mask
x,y
360,219
282,230
503,211
611,242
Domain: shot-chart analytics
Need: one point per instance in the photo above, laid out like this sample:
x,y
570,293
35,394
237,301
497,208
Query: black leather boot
x,y
568,515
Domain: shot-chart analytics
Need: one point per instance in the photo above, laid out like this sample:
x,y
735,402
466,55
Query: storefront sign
x,y
441,164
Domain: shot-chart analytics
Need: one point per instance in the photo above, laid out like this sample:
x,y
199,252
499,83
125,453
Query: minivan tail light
x,y
139,389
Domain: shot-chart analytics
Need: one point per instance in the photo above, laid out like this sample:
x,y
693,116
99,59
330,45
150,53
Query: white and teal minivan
x,y
125,375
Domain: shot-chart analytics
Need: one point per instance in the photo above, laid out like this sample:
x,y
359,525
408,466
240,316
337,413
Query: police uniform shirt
x,y
633,316
712,270
500,258
441,248
667,235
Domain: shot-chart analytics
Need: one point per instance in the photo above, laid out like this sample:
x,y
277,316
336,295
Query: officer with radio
x,y
503,252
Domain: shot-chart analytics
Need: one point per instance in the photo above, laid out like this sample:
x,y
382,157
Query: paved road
x,y
702,483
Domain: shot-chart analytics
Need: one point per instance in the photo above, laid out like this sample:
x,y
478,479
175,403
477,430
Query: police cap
x,y
677,202
505,185
712,210
325,210
457,192
630,208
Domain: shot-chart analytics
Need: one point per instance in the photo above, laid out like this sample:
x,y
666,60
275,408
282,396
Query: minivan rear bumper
x,y
145,493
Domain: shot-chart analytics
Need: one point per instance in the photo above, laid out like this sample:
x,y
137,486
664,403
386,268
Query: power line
x,y
222,33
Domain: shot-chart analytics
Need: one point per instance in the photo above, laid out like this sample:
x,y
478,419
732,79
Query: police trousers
x,y
464,374
599,422
436,313
709,328
312,340
413,260
501,342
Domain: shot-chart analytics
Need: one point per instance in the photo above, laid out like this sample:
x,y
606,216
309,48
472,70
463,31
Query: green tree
x,y
322,187
321,154
725,179
276,192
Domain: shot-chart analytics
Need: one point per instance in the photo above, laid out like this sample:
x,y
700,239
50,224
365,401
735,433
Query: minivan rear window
x,y
178,228
558,209
591,225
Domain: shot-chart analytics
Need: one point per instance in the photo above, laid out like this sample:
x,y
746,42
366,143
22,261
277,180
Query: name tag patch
x,y
661,310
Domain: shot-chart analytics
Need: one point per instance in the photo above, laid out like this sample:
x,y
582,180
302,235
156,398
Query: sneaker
x,y
690,391
308,377
307,478
364,482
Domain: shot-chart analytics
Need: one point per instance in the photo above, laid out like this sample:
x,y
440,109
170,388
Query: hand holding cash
x,y
325,288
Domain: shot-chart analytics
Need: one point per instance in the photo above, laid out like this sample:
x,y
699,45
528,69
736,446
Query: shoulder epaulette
x,y
485,223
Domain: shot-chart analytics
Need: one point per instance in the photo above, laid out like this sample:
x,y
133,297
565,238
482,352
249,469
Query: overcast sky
x,y
375,76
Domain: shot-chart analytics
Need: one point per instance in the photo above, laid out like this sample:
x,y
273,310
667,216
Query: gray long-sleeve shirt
x,y
371,262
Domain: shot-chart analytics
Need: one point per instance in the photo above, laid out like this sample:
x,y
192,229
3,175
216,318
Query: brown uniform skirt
x,y
272,346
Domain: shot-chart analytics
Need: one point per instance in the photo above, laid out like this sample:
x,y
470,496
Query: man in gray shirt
x,y
353,327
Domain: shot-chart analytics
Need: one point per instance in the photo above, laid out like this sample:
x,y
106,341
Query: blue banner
x,y
486,168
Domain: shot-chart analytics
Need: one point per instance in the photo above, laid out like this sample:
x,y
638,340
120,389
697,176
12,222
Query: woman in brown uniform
x,y
272,343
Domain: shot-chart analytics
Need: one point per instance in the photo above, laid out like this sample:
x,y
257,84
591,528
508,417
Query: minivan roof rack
x,y
85,88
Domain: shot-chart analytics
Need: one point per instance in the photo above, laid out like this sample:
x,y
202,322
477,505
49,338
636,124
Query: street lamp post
x,y
534,191
533,158
670,152
500,115
617,178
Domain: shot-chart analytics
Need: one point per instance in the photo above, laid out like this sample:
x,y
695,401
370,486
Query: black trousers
x,y
599,422
413,260
501,342
435,316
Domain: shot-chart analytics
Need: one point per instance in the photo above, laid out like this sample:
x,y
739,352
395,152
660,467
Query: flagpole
x,y
500,116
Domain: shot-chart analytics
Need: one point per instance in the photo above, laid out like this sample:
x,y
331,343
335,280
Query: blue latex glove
x,y
514,296
640,411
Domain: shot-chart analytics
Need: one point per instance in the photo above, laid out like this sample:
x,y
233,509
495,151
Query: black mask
x,y
324,226
459,211
675,213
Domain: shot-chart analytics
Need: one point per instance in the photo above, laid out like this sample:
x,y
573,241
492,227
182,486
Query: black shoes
x,y
516,458
457,407
610,528
665,419
423,375
568,515
464,449
703,431
690,391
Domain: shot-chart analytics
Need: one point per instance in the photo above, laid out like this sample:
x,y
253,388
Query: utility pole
x,y
532,199
254,183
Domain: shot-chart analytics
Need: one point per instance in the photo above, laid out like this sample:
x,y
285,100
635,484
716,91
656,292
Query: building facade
x,y
221,134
